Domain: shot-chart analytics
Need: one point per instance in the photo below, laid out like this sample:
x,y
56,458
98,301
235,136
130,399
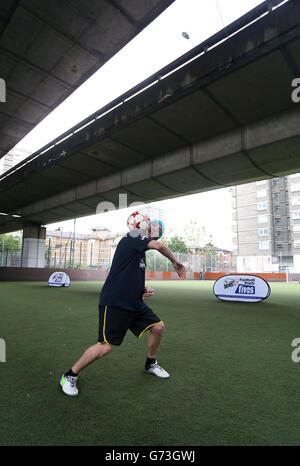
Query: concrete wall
x,y
19,274
16,274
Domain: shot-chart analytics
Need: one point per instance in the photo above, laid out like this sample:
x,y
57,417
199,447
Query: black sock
x,y
149,362
70,373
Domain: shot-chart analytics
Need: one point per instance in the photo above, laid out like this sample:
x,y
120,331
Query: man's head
x,y
140,224
156,229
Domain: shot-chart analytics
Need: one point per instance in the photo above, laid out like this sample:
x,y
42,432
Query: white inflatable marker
x,y
59,279
242,288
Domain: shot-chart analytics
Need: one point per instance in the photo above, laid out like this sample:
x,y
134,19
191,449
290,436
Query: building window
x,y
261,183
296,200
297,244
296,214
261,193
296,228
262,206
102,250
262,219
264,245
263,231
279,246
295,187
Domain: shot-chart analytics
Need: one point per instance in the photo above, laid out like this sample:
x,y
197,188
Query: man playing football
x,y
122,304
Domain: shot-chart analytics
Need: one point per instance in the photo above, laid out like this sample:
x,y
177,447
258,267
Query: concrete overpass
x,y
220,115
49,48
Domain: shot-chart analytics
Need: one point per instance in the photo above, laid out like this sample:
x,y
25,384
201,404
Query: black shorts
x,y
115,321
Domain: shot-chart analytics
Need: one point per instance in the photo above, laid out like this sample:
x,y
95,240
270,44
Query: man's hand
x,y
179,268
148,292
159,246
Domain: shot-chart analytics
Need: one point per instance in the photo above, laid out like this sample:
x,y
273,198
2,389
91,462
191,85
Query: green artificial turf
x,y
232,381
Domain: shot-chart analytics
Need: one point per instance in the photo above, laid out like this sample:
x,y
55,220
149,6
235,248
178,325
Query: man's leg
x,y
154,339
68,380
90,355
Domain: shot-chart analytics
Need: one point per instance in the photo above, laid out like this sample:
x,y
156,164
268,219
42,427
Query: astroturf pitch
x,y
232,381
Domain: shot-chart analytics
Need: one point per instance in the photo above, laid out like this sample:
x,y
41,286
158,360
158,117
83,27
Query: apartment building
x,y
266,225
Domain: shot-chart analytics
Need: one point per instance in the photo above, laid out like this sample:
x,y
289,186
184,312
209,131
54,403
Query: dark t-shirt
x,y
125,283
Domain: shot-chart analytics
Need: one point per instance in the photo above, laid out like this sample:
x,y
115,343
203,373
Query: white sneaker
x,y
68,385
155,369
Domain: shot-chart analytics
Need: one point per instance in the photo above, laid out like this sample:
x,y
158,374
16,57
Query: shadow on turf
x,y
249,306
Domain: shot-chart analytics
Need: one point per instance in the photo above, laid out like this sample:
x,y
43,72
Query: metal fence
x,y
192,262
9,258
78,255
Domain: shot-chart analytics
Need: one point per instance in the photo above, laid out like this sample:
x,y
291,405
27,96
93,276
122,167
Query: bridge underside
x,y
225,118
49,48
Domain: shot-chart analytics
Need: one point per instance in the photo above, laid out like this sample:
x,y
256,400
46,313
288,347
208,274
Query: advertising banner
x,y
59,279
241,287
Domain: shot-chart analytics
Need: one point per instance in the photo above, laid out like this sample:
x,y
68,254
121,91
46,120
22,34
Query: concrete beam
x,y
266,149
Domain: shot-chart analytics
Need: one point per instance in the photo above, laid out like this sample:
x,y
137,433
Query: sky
x,y
156,46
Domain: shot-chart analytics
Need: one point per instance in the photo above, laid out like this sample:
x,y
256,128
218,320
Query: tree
x,y
176,244
9,243
195,235
200,244
211,257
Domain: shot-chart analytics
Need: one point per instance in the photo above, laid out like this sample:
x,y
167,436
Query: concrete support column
x,y
33,247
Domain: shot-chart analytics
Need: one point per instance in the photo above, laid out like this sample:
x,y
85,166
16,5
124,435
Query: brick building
x,y
90,250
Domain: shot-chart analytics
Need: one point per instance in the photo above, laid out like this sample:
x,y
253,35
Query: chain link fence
x,y
192,262
10,258
83,255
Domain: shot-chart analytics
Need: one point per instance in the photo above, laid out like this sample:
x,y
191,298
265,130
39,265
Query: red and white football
x,y
138,221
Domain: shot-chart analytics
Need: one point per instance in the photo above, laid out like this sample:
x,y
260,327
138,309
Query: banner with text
x,y
242,287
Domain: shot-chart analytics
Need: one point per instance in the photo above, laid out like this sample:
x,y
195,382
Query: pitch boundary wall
x,y
42,274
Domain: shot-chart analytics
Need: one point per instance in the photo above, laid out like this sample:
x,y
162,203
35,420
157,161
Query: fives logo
x,y
245,289
246,286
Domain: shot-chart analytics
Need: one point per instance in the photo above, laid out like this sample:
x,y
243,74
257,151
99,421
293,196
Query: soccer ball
x,y
138,221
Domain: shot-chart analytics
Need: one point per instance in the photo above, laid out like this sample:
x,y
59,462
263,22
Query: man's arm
x,y
160,247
